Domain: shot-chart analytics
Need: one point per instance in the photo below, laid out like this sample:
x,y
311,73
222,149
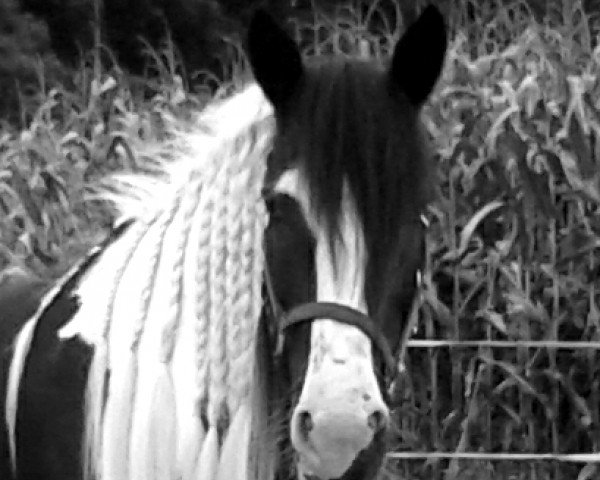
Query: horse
x,y
243,318
20,295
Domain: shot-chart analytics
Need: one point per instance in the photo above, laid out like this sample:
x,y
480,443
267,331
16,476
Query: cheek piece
x,y
307,312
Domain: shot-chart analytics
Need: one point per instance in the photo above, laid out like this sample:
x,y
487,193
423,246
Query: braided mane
x,y
176,327
222,135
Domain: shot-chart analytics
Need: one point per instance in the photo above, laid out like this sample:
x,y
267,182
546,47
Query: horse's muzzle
x,y
330,428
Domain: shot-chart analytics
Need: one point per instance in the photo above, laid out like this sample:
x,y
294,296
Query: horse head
x,y
346,183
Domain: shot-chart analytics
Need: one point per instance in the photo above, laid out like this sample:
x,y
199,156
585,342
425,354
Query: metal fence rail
x,y
522,457
558,344
572,458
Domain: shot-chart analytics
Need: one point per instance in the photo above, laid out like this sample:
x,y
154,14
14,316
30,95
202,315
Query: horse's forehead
x,y
292,183
341,273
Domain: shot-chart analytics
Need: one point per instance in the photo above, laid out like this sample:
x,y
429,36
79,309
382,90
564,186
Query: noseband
x,y
308,312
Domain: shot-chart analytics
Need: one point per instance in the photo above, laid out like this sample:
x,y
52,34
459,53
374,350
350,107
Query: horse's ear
x,y
419,56
274,58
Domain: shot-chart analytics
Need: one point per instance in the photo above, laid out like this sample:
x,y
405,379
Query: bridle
x,y
310,311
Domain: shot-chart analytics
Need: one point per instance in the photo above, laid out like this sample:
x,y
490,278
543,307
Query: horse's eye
x,y
268,196
275,205
270,204
279,205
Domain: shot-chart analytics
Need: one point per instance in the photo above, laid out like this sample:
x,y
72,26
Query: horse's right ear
x,y
419,56
274,58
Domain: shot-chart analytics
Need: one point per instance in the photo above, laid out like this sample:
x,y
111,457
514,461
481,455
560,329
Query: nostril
x,y
305,424
377,421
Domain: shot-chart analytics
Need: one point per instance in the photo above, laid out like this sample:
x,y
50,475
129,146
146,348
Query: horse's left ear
x,y
274,58
419,56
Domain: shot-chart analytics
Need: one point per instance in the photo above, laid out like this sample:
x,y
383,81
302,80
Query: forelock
x,y
344,126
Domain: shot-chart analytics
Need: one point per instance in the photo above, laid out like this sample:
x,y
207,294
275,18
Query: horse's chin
x,y
328,474
363,465
325,468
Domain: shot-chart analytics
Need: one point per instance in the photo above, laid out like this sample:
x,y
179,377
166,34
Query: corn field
x,y
502,374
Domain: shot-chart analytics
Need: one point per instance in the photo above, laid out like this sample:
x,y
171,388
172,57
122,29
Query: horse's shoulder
x,y
20,296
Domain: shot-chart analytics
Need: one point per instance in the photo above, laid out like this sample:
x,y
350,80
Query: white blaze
x,y
340,388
